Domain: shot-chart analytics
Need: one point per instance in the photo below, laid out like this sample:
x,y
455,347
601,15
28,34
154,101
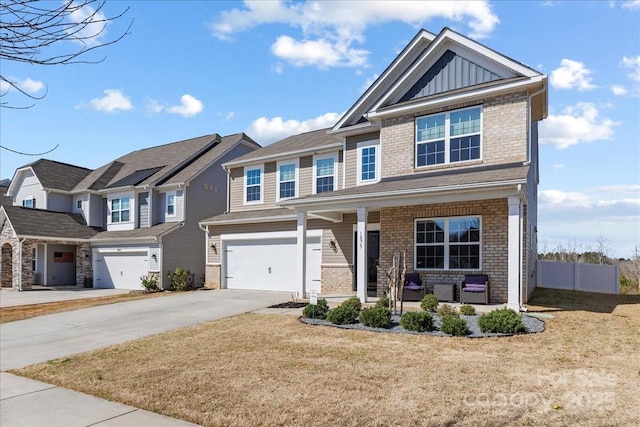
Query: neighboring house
x,y
106,228
436,161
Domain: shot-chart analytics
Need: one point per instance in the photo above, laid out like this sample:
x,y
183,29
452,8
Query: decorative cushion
x,y
475,279
413,286
474,288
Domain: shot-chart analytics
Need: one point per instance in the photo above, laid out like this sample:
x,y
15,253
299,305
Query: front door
x,y
373,255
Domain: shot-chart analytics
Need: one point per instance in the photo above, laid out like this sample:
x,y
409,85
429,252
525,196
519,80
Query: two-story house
x,y
437,162
108,227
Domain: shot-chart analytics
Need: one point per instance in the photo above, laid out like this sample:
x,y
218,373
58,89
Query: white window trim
x,y
244,185
296,163
446,243
447,137
175,200
360,147
317,157
110,212
32,199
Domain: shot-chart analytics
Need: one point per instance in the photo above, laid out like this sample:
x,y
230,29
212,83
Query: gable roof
x,y
431,68
43,224
173,163
293,145
52,175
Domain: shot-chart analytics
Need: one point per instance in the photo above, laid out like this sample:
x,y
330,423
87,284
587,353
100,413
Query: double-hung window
x,y
120,210
450,137
29,202
287,177
253,184
171,203
324,172
368,162
448,243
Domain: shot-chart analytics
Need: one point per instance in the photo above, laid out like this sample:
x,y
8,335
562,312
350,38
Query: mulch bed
x,y
289,304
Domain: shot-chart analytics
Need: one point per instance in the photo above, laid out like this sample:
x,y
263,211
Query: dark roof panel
x,y
135,178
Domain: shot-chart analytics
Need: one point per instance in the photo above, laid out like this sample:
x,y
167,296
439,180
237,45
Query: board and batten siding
x,y
59,202
96,211
205,197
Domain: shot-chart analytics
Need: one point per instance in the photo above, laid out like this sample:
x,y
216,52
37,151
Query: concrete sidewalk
x,y
28,403
10,297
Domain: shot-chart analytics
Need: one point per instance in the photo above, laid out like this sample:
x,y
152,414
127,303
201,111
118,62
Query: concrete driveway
x,y
30,403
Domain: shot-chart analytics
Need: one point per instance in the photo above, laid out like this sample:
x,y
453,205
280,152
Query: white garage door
x,y
270,264
120,270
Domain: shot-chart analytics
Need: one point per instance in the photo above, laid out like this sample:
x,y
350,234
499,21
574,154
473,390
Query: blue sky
x,y
272,69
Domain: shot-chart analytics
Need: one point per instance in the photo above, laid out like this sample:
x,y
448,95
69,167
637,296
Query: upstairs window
x,y
171,204
450,137
78,205
253,185
448,244
120,211
29,202
287,177
368,162
324,174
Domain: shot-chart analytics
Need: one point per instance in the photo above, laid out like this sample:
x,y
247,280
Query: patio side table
x,y
443,291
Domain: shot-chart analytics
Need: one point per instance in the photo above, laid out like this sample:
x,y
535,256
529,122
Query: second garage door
x,y
270,264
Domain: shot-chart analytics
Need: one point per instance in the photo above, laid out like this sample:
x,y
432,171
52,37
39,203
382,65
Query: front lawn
x,y
258,369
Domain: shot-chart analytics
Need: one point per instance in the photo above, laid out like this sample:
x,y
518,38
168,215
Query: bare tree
x,y
30,29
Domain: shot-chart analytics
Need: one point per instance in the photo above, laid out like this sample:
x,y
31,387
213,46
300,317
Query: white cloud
x,y
266,130
584,216
329,29
188,107
230,116
631,5
576,125
28,85
558,166
112,101
369,82
96,22
571,74
634,64
618,90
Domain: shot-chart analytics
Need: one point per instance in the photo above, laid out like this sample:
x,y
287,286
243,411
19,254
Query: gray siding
x,y
162,207
305,186
206,196
59,202
143,210
96,215
30,186
450,72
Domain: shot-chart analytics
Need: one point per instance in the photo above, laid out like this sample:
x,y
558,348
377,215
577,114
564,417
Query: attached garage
x,y
120,269
264,262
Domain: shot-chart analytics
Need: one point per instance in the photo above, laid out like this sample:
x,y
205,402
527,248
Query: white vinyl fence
x,y
576,276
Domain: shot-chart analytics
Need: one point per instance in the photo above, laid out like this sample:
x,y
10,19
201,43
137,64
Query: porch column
x,y
301,254
361,254
514,253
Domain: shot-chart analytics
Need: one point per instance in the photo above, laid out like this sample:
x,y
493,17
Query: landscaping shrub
x,y
320,311
429,303
383,302
376,317
502,320
467,310
180,280
446,310
150,282
454,325
353,302
419,321
343,314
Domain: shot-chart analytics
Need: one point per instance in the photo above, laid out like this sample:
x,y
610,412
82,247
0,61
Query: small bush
x,y
467,310
376,317
446,310
343,315
383,302
429,303
454,325
419,321
353,302
180,280
319,312
150,282
503,321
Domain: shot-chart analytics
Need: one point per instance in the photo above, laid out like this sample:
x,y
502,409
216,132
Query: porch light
x,y
333,245
154,257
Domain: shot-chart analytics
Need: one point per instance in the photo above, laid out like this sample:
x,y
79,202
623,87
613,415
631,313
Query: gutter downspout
x,y
529,99
228,191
